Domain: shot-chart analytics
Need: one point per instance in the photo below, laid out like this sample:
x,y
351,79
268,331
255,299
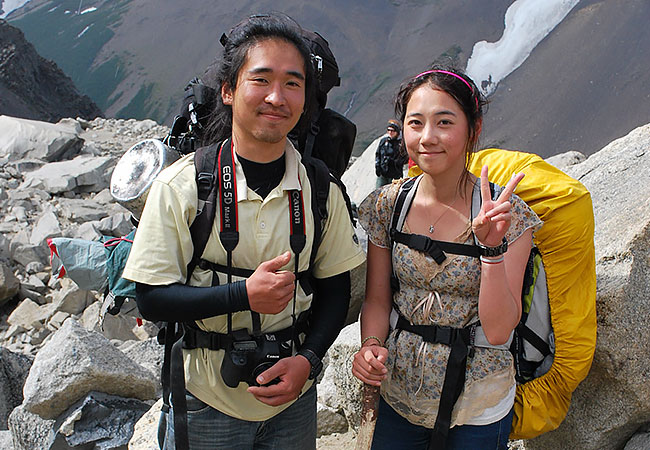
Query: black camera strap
x,y
229,234
297,241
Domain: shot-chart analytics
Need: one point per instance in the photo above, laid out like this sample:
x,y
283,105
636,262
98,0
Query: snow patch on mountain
x,y
9,5
527,22
84,31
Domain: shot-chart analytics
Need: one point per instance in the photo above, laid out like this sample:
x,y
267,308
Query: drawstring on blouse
x,y
427,305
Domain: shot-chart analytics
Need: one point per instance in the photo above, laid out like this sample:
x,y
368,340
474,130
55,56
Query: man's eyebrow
x,y
293,73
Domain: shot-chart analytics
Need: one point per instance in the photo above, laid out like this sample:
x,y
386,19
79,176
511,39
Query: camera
x,y
248,356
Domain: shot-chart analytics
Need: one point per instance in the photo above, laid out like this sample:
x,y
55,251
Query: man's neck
x,y
257,151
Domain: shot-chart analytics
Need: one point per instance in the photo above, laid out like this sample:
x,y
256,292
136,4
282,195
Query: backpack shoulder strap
x,y
495,191
403,202
205,164
313,131
319,177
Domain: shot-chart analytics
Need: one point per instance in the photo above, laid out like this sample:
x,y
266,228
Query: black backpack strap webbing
x,y
173,383
435,249
319,178
346,197
405,196
178,398
205,164
459,340
197,338
534,340
204,264
314,129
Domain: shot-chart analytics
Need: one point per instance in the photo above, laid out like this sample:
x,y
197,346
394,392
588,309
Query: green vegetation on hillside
x,y
104,80
137,107
73,40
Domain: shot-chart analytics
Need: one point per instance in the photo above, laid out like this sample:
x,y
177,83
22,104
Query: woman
x,y
427,396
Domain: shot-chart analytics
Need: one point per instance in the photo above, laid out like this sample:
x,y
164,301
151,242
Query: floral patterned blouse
x,y
448,295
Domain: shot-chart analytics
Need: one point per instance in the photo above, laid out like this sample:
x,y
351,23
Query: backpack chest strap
x,y
197,338
433,248
204,264
436,334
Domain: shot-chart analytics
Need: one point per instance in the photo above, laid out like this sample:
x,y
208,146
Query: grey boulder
x,y
76,361
31,139
613,402
99,421
14,368
9,284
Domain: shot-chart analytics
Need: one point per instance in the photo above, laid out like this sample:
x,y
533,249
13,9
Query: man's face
x,y
270,93
392,133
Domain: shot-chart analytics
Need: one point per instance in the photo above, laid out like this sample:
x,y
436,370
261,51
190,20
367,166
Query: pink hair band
x,y
453,75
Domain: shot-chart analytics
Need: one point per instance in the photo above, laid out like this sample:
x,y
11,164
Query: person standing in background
x,y
389,157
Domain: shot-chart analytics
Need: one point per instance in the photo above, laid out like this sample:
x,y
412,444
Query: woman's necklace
x,y
451,206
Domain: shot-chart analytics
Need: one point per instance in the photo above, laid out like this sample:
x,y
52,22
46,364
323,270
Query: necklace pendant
x,y
430,228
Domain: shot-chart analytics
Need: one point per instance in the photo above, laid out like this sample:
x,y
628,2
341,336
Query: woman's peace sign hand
x,y
493,221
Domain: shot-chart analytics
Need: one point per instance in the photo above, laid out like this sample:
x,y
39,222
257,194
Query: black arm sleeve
x,y
329,310
179,302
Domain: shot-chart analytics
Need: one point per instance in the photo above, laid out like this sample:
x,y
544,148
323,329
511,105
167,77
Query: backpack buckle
x,y
318,61
205,178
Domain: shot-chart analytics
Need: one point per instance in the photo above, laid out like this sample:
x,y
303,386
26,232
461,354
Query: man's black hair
x,y
239,40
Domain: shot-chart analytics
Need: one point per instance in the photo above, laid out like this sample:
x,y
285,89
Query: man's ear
x,y
226,94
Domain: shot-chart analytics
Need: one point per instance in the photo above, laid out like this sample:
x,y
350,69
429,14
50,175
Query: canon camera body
x,y
248,356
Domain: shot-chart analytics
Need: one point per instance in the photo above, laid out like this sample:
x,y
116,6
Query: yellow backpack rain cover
x,y
566,241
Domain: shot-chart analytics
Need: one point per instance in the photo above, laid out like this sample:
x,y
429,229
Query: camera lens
x,y
261,368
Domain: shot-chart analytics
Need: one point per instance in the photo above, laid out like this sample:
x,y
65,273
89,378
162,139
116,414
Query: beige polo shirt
x,y
162,249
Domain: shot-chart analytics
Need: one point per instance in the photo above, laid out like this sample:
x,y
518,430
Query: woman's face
x,y
435,131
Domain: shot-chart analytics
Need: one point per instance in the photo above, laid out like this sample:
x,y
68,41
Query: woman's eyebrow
x,y
444,112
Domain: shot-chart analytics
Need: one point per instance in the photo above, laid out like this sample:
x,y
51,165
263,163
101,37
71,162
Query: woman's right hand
x,y
368,364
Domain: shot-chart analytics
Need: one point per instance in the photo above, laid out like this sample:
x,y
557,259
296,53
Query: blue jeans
x,y
209,429
394,432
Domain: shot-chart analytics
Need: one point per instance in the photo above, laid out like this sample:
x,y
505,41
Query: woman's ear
x,y
226,94
479,127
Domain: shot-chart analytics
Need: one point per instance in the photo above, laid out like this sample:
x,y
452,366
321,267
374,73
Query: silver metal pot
x,y
136,170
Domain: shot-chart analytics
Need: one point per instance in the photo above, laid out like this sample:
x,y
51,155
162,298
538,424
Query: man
x,y
389,157
264,75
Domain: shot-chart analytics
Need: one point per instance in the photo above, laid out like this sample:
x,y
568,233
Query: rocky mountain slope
x,y
134,58
33,87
